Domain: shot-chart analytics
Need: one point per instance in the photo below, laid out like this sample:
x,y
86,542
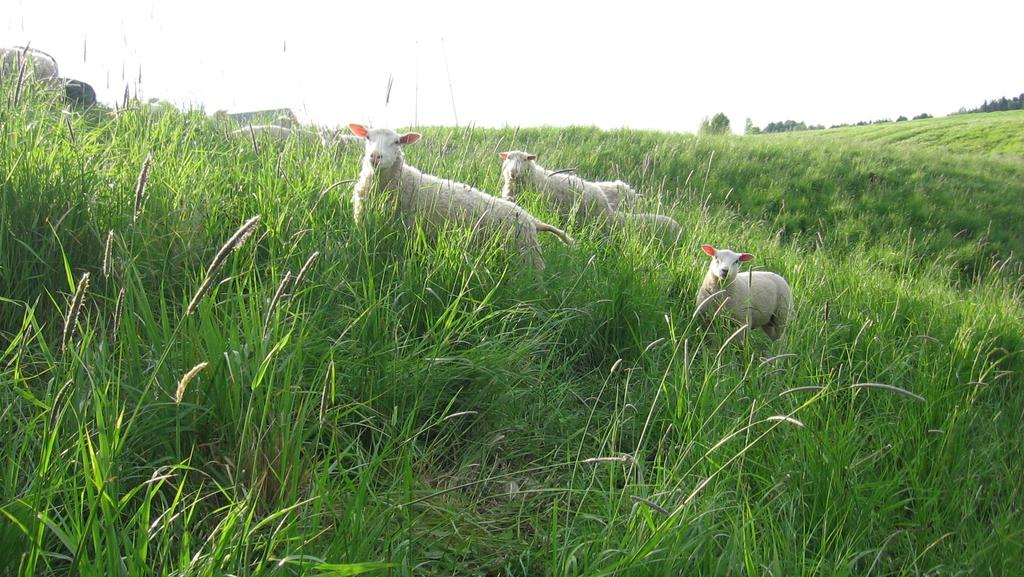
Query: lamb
x,y
571,195
567,194
760,299
330,137
662,226
435,201
273,131
38,64
620,195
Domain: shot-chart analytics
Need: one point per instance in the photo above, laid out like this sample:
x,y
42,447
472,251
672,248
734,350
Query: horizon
x,y
650,67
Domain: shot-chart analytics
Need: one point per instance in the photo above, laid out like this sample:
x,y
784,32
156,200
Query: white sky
x,y
638,63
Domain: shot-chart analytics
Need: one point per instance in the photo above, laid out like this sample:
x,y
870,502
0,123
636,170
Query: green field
x,y
428,407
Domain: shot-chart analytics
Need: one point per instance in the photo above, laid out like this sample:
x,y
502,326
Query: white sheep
x,y
38,64
620,195
760,299
660,225
272,131
435,201
571,195
331,137
566,194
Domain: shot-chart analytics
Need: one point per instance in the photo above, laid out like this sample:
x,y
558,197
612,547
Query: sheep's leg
x,y
532,255
529,248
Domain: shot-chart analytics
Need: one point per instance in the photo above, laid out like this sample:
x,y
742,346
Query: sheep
x,y
567,194
330,137
435,201
760,299
77,92
38,64
273,131
620,195
571,195
662,226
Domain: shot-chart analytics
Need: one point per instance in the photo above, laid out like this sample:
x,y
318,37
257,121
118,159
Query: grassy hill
x,y
836,188
991,133
414,405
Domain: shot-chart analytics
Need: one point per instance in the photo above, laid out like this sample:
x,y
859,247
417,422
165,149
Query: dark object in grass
x,y
78,93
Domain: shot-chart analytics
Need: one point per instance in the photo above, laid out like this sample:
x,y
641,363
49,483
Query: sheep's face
x,y
516,164
383,145
725,264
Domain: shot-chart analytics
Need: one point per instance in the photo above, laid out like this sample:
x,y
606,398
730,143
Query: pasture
x,y
323,398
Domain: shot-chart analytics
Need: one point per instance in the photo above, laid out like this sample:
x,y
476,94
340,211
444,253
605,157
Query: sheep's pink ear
x,y
409,137
503,155
710,250
531,157
359,130
744,257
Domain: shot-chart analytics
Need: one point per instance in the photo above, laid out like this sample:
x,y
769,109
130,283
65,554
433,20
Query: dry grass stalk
x,y
785,419
279,295
650,504
237,239
74,310
179,392
22,64
595,460
252,133
118,311
71,131
140,186
106,254
305,268
892,388
562,171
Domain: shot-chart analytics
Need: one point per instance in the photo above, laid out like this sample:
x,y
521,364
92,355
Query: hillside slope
x,y
838,188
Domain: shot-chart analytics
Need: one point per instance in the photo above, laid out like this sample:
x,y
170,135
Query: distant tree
x,y
901,118
719,124
749,127
785,126
922,116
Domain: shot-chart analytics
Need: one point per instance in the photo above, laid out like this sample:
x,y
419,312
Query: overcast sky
x,y
644,64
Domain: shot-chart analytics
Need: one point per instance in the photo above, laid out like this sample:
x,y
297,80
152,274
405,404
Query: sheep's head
x,y
383,145
516,164
725,264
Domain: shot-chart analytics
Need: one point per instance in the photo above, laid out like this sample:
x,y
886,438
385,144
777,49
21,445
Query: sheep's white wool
x,y
38,64
761,299
330,137
620,195
567,194
272,131
436,201
662,226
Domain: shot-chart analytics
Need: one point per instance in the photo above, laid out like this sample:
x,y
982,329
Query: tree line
x,y
719,123
997,105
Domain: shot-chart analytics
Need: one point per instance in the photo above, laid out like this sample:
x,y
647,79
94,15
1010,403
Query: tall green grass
x,y
417,404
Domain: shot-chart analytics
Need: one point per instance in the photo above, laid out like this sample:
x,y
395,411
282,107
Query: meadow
x,y
187,390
